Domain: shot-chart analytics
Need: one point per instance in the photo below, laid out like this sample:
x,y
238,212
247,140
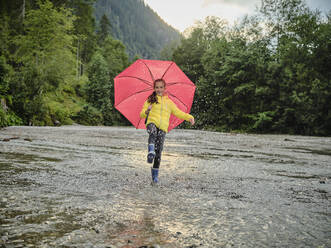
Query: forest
x,y
268,73
141,30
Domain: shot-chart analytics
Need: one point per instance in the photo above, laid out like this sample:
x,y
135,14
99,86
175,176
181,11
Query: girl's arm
x,y
180,114
143,112
192,121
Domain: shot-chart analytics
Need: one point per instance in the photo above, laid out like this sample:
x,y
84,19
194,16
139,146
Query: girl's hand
x,y
148,109
192,121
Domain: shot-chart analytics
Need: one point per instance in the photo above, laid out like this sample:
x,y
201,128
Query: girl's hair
x,y
152,98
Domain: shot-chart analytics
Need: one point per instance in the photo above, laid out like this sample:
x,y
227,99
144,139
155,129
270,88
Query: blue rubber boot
x,y
155,175
151,153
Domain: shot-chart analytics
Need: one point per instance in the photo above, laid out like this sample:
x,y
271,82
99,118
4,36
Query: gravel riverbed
x,y
78,186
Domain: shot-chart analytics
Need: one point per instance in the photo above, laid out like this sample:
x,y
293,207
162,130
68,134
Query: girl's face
x,y
159,88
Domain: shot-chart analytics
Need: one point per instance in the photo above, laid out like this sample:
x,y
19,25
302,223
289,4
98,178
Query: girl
x,y
157,109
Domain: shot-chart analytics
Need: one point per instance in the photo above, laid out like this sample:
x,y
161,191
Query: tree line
x,y
269,73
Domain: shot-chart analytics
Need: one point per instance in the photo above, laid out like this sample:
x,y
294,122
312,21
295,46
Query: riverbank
x,y
78,186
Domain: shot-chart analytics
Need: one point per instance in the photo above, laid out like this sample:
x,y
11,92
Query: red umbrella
x,y
135,84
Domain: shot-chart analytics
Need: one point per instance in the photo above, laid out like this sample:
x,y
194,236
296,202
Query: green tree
x,y
117,61
46,57
104,30
188,56
278,15
168,50
27,87
5,69
84,30
4,86
296,35
47,42
98,89
115,55
4,35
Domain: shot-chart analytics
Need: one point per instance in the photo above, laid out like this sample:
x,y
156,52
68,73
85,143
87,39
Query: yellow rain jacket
x,y
160,112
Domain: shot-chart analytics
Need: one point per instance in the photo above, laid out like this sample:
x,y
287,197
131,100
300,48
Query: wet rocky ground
x,y
77,186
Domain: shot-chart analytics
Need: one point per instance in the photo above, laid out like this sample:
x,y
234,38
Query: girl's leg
x,y
158,148
152,131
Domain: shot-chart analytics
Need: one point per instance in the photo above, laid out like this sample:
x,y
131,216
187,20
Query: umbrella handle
x,y
149,110
146,118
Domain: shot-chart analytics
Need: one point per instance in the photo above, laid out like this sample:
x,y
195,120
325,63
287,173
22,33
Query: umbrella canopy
x,y
135,84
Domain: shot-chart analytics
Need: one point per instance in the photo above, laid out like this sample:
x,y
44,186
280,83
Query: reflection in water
x,y
138,233
78,186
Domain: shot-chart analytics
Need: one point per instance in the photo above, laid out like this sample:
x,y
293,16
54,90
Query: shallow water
x,y
76,186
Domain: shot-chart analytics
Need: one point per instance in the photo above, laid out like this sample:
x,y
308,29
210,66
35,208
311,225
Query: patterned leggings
x,y
156,137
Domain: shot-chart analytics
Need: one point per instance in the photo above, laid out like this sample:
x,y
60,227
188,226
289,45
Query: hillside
x,y
133,22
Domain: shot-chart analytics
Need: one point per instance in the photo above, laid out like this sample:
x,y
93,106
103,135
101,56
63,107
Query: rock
x,y
19,246
18,241
6,140
57,123
323,180
120,244
4,239
28,139
177,234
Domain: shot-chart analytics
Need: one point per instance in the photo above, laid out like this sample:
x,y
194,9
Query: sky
x,y
182,14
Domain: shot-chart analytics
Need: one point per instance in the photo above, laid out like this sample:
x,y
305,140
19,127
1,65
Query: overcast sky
x,y
182,14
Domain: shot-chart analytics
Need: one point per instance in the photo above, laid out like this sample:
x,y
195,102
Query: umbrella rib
x,y
148,70
135,93
138,123
142,80
178,99
173,83
167,69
